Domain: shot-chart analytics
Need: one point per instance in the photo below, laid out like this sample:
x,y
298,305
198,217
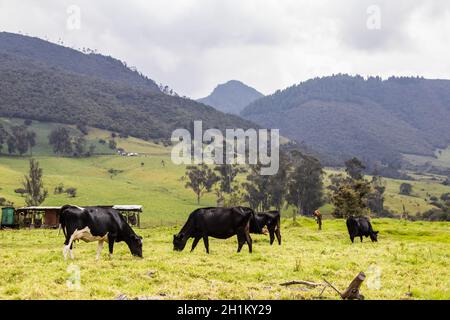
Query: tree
x,y
60,139
34,186
200,179
20,140
355,168
79,146
375,200
305,186
31,137
406,189
3,136
264,192
350,194
256,188
112,144
227,173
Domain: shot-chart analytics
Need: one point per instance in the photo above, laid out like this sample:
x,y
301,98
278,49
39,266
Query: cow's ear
x,y
376,232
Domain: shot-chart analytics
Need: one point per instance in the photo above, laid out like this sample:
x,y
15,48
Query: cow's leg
x,y
69,244
249,240
111,246
272,236
194,244
99,249
361,237
206,241
352,238
278,234
241,241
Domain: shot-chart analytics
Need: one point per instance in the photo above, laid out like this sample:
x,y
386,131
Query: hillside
x,y
231,97
91,64
373,119
33,87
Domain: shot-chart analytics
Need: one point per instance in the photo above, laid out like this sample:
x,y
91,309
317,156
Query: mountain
x,y
374,119
91,64
43,81
231,97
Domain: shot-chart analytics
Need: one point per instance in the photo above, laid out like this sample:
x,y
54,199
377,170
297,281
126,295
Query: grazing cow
x,y
220,223
97,224
271,220
361,227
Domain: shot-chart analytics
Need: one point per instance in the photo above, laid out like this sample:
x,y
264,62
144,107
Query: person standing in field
x,y
318,216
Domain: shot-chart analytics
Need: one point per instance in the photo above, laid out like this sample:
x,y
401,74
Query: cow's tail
x,y
62,219
278,221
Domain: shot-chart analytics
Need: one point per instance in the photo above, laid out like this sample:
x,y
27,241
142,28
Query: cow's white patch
x,y
86,235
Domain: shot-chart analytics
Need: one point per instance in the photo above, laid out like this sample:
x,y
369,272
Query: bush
x,y
435,215
112,144
406,189
83,129
71,192
59,189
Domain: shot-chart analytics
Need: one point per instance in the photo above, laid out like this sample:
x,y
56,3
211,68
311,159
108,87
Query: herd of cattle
x,y
108,225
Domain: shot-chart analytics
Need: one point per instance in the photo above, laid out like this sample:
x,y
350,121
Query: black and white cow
x,y
97,224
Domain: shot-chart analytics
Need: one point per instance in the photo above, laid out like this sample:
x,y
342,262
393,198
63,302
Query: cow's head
x,y
135,245
374,236
179,241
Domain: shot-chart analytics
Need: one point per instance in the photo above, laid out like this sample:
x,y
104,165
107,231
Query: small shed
x,y
47,217
131,212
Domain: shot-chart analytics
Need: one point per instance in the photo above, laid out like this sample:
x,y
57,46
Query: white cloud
x,y
193,45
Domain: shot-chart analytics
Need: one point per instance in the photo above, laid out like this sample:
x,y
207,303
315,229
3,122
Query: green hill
x,y
374,119
43,81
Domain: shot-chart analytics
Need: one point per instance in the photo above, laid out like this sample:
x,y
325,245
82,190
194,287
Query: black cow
x,y
361,227
97,224
271,220
220,223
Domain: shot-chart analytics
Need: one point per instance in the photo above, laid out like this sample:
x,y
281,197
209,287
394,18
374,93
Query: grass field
x,y
410,257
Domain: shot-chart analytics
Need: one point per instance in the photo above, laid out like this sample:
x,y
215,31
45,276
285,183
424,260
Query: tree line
x,y
299,184
18,139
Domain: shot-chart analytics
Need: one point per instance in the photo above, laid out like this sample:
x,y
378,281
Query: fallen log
x,y
351,293
306,283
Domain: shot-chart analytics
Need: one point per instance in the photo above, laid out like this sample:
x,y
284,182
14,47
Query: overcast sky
x,y
193,45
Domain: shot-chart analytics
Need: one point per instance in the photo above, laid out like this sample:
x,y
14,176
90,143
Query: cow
x,y
271,220
361,227
220,223
97,224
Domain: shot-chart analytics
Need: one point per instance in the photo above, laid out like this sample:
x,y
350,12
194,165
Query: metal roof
x,y
128,207
37,208
117,207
